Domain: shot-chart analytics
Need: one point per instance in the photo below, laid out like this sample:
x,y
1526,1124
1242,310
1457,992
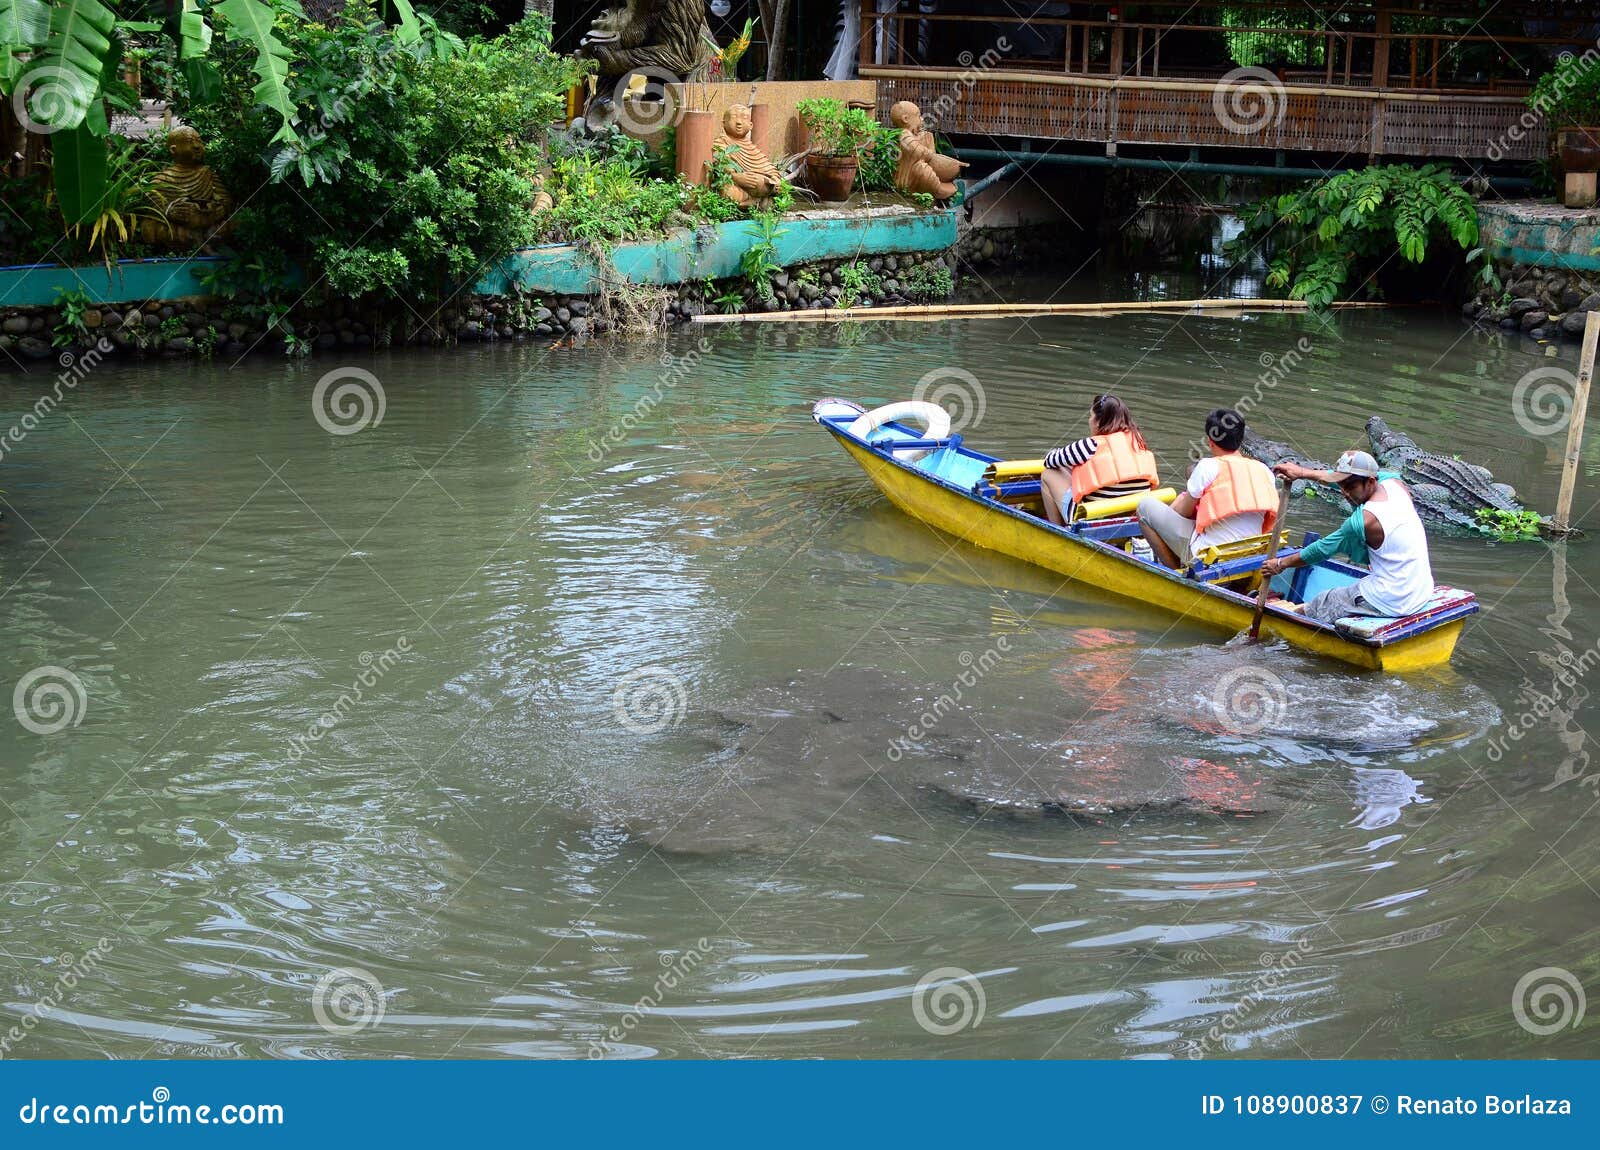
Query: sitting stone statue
x,y
921,167
543,201
754,176
190,195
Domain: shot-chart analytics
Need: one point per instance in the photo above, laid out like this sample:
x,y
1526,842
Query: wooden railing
x,y
1373,91
1378,57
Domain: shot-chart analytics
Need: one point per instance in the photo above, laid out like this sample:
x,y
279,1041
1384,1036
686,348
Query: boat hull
x,y
1025,537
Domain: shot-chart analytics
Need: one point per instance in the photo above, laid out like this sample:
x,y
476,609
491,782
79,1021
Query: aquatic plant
x,y
1509,526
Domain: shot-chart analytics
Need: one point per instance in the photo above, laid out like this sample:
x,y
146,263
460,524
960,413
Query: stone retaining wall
x,y
1547,261
216,328
1544,303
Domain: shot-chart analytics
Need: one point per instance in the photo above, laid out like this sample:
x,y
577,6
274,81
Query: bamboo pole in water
x,y
1000,310
1580,408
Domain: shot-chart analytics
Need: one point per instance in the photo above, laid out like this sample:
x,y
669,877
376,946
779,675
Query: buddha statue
x,y
921,167
543,201
754,176
191,196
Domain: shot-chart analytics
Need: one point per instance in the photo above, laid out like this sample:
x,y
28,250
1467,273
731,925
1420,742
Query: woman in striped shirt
x,y
1112,461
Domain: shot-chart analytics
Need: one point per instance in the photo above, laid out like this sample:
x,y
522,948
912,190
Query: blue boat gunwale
x,y
886,448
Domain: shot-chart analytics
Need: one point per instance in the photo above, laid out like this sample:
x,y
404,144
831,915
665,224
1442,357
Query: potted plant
x,y
1568,97
837,135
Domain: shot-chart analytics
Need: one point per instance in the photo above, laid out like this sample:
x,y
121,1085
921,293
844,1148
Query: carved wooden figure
x,y
921,167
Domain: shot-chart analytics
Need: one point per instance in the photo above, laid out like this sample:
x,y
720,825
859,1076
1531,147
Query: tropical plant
x,y
422,152
60,63
836,130
1354,223
125,204
1568,95
759,263
880,156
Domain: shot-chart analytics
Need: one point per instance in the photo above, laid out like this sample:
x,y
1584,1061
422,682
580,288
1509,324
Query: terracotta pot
x,y
696,130
831,177
1580,149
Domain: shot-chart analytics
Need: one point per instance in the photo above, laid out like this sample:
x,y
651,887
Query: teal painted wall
x,y
135,280
706,253
1541,235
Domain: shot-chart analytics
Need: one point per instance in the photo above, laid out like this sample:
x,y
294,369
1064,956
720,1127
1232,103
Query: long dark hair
x,y
1110,414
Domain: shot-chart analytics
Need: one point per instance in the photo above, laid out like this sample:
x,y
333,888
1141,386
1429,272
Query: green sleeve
x,y
1349,538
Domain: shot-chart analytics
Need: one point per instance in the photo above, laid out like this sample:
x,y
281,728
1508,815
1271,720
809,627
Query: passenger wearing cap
x,y
1384,532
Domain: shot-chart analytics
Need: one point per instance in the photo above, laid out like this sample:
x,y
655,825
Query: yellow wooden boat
x,y
984,500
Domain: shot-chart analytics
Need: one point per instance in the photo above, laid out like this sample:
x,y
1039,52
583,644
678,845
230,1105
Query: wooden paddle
x,y
1272,553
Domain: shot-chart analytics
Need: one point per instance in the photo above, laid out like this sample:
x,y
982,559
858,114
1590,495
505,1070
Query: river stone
x,y
1573,323
1590,302
1538,333
326,341
579,307
1570,298
1518,307
15,325
1532,319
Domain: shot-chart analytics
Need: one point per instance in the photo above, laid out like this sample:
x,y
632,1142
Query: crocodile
x,y
1272,453
1466,487
1436,503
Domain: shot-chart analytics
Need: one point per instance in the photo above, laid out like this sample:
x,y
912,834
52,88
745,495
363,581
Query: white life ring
x,y
933,417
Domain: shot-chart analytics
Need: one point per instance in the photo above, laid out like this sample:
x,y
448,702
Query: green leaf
x,y
62,81
410,28
80,173
24,23
251,22
194,34
205,82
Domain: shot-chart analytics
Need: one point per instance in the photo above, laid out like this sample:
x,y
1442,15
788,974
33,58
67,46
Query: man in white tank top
x,y
1384,532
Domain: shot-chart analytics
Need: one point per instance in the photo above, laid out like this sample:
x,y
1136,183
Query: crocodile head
x,y
1391,447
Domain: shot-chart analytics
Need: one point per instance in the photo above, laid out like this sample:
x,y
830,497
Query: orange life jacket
x,y
1242,486
1116,459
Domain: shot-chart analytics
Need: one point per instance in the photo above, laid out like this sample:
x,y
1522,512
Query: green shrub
x,y
928,281
836,130
1569,93
414,166
1354,223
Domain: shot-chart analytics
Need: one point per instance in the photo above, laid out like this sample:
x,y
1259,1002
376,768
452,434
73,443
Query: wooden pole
x,y
998,310
1580,408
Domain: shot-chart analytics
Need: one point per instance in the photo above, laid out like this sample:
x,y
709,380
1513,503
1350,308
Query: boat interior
x,y
1232,569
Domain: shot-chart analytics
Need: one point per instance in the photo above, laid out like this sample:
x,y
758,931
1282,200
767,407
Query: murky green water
x,y
351,704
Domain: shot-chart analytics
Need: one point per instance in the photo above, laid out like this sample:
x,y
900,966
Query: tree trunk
x,y
545,8
775,22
